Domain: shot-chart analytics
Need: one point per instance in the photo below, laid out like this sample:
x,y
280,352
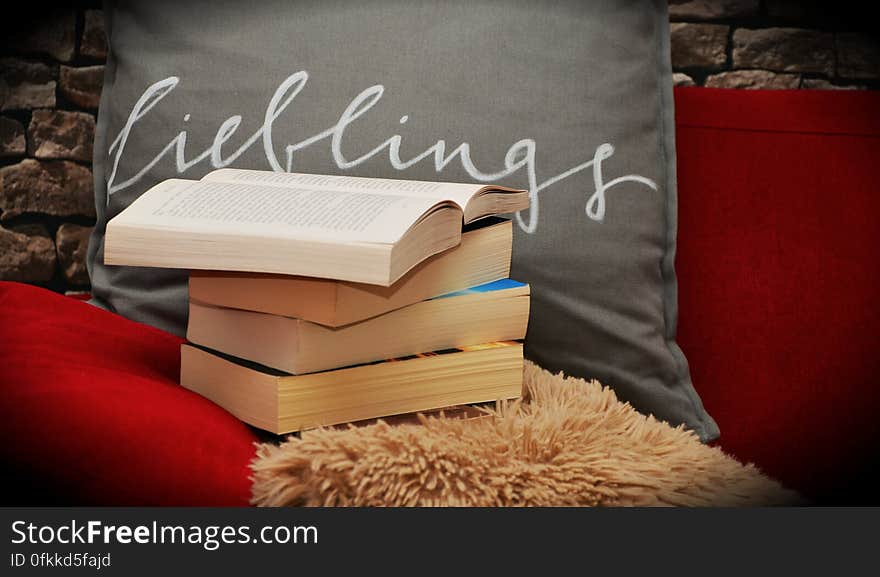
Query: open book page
x,y
228,208
459,193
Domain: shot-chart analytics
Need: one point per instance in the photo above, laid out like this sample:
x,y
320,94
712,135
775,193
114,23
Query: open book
x,y
349,228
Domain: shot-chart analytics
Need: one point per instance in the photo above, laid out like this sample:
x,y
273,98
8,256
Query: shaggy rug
x,y
569,443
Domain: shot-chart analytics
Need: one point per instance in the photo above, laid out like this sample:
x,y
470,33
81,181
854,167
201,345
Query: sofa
x,y
778,232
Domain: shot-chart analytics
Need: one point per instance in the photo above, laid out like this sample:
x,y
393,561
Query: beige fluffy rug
x,y
571,443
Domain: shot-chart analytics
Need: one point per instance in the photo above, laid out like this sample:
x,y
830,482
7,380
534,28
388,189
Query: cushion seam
x,y
704,425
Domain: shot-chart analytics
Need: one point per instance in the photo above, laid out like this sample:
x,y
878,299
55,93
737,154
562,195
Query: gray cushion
x,y
570,99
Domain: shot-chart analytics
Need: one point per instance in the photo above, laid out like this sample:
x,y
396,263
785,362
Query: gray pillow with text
x,y
570,99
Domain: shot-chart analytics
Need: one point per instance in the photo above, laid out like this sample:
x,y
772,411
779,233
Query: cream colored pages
x,y
297,212
459,193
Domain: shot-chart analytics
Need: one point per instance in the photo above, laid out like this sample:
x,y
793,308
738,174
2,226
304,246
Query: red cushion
x,y
778,232
778,316
91,412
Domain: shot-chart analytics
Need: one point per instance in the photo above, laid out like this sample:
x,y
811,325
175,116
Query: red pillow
x,y
91,412
778,233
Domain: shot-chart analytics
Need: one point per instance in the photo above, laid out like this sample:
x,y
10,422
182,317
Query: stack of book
x,y
317,300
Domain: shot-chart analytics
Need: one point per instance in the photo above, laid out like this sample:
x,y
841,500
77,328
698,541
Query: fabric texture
x,y
573,103
572,443
779,279
91,412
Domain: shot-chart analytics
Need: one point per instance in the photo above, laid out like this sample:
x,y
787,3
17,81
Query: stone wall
x,y
51,68
774,44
